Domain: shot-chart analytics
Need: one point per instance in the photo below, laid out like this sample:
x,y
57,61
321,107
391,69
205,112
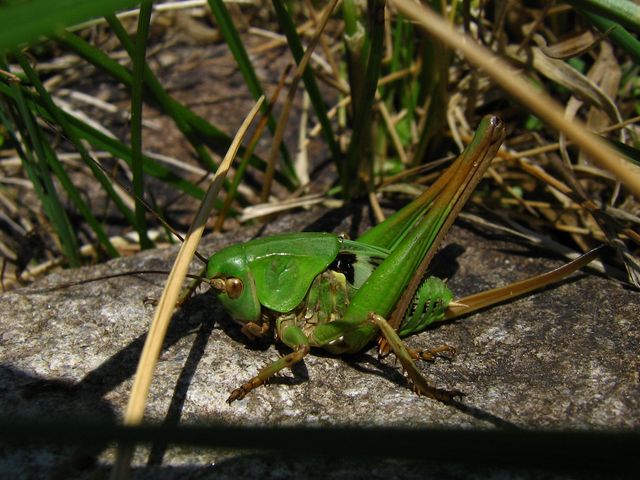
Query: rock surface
x,y
564,358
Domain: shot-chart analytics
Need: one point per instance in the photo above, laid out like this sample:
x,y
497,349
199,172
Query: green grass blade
x,y
35,158
206,131
244,162
41,188
616,32
624,12
60,117
184,118
295,45
109,144
73,193
96,57
24,21
433,93
350,17
123,151
405,91
197,130
139,66
232,37
356,43
356,156
160,95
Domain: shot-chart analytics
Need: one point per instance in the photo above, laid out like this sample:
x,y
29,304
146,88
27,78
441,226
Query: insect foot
x,y
268,372
239,393
444,396
419,383
444,351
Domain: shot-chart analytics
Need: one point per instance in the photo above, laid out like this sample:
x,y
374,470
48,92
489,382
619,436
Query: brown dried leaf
x,y
605,73
572,46
567,76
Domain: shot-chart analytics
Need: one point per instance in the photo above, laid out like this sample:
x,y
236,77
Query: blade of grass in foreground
x,y
606,451
25,21
157,332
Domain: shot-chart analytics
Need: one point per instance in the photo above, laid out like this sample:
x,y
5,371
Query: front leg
x,y
420,384
296,340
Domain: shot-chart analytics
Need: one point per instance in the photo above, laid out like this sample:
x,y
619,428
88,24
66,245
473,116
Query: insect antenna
x,y
149,208
129,191
199,278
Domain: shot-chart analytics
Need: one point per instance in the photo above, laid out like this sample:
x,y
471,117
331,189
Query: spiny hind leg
x,y
420,384
296,340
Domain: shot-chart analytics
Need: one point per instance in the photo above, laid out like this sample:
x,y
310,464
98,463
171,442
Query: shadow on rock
x,y
31,398
36,399
392,374
184,381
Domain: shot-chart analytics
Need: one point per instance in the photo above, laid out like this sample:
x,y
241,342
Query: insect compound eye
x,y
234,287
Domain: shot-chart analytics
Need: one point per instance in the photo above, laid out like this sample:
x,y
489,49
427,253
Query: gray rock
x,y
564,358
